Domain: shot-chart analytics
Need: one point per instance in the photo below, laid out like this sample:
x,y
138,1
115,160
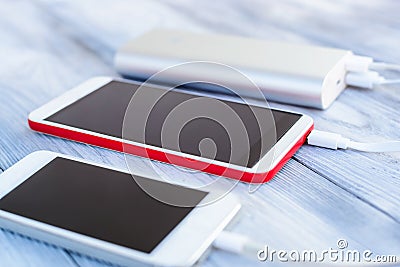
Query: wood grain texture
x,y
17,250
359,114
317,198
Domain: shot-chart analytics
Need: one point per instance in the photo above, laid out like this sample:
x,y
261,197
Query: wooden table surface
x,y
319,196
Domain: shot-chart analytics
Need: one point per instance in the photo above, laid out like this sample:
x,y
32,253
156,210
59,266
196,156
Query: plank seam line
x,y
347,190
71,257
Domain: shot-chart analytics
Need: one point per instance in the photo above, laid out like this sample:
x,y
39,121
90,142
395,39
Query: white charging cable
x,y
363,72
384,66
244,246
237,244
336,141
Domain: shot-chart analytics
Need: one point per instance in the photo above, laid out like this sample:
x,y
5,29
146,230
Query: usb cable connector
x,y
337,141
362,72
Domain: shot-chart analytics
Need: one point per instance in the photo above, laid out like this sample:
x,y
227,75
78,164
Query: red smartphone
x,y
96,113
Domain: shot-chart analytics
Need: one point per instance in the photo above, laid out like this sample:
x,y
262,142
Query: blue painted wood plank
x,y
317,198
373,177
366,27
17,250
359,114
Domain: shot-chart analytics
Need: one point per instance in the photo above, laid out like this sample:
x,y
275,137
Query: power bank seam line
x,y
346,190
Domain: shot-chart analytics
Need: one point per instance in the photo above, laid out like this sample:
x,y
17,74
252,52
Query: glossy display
x,y
104,110
100,203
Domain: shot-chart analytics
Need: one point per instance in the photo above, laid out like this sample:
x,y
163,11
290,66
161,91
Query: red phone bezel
x,y
168,157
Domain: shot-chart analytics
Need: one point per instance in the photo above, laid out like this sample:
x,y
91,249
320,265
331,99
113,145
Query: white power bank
x,y
295,74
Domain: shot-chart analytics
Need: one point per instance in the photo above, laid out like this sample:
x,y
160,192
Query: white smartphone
x,y
95,113
102,212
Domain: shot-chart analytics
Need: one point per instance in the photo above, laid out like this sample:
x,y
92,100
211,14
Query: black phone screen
x,y
103,111
100,203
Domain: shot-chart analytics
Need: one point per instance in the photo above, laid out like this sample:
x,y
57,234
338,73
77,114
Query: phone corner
x,y
41,154
308,118
100,80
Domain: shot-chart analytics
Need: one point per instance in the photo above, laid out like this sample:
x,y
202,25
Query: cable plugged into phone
x,y
363,72
237,244
337,141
